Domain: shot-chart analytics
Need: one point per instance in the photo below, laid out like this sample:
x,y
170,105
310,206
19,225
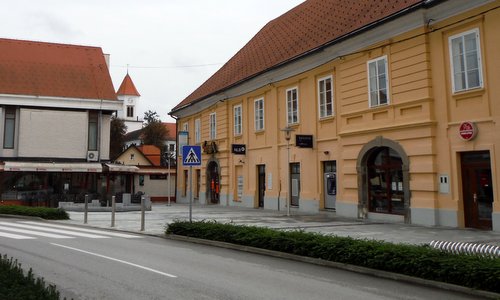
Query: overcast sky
x,y
170,46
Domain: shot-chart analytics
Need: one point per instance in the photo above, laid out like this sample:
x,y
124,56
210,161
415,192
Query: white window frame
x,y
185,126
259,114
376,80
213,126
464,74
197,131
323,99
238,120
290,112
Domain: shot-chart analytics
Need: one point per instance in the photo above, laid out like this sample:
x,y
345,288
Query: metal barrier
x,y
483,250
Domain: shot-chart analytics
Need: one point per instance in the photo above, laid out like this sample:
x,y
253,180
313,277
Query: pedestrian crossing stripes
x,y
23,230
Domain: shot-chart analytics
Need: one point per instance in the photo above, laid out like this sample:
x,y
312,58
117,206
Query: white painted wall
x,y
49,133
105,136
156,188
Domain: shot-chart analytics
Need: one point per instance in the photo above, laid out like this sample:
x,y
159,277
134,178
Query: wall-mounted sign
x,y
467,131
239,149
304,141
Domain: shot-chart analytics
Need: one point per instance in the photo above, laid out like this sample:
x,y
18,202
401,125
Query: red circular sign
x,y
467,131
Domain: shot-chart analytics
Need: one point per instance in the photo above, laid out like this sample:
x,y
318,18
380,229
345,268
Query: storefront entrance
x,y
213,183
477,189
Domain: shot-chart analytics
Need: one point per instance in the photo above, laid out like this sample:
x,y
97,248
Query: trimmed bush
x,y
418,261
42,212
14,284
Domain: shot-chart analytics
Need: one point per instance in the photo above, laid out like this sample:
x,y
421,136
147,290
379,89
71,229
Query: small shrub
x,y
42,212
419,261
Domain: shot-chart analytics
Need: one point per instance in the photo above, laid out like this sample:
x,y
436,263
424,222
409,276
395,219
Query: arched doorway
x,y
213,182
383,179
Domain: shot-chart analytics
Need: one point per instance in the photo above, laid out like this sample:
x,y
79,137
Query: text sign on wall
x,y
304,141
239,149
467,131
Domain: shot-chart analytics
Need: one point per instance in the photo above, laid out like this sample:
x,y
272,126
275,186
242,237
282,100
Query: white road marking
x,y
15,236
115,234
31,232
116,259
39,228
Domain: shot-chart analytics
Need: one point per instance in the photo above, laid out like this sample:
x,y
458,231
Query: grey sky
x,y
171,46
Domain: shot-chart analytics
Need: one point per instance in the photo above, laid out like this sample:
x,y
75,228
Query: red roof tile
x,y
127,87
152,153
171,129
56,70
307,27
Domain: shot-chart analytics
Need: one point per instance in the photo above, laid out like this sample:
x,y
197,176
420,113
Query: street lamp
x,y
288,135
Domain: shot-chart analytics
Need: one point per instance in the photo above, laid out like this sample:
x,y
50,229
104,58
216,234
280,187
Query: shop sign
x,y
467,131
304,141
239,149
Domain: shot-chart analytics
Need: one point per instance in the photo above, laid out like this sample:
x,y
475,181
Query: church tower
x,y
130,97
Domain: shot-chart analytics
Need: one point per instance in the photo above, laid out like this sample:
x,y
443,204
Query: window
x,y
325,97
465,58
92,142
197,133
292,106
213,126
130,111
185,126
259,114
9,128
237,120
378,84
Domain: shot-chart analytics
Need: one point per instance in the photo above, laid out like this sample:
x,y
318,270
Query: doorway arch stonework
x,y
362,170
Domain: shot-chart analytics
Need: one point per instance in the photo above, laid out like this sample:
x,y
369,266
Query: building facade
x,y
385,110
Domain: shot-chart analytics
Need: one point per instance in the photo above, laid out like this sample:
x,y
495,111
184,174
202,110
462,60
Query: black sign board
x,y
240,149
304,141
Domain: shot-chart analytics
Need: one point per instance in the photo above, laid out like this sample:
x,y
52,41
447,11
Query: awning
x,y
122,168
21,166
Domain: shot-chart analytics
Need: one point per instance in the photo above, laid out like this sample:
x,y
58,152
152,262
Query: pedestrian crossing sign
x,y
191,155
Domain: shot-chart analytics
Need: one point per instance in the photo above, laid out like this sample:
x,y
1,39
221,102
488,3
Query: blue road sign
x,y
191,155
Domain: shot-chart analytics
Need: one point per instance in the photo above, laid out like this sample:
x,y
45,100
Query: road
x,y
98,264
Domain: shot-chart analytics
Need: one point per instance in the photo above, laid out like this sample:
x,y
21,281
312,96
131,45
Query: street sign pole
x,y
190,193
191,156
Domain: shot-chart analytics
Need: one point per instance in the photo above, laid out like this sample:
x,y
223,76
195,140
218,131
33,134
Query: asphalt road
x,y
97,264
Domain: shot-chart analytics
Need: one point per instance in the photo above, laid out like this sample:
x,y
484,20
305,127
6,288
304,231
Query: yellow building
x,y
384,110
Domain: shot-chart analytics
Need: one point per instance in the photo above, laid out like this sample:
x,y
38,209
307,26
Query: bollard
x,y
113,210
143,203
86,209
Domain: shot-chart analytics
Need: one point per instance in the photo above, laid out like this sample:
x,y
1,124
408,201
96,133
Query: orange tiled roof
x,y
171,129
55,70
305,28
152,153
127,87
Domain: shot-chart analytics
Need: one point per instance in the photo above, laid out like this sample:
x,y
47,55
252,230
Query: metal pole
x,y
86,209
169,174
142,212
113,210
289,193
190,194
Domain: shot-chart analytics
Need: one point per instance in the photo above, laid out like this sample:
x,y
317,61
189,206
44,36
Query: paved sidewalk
x,y
324,222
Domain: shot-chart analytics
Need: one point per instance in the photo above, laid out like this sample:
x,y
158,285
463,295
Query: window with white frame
x,y
185,127
237,120
465,55
292,106
378,82
9,128
325,97
197,132
213,126
259,114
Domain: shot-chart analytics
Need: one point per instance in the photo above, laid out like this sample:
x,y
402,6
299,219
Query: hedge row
x,y
42,212
418,261
14,284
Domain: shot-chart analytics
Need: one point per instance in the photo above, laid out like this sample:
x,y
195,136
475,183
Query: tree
x,y
117,137
154,132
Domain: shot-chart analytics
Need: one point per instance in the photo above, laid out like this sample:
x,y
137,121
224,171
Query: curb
x,y
342,266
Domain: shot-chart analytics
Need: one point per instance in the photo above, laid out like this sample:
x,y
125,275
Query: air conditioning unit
x,y
92,155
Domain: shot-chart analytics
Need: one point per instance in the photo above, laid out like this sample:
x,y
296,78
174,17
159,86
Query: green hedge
x,y
14,284
42,212
419,261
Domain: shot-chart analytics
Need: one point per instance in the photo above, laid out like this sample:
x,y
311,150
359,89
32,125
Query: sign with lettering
x,y
304,141
239,149
467,131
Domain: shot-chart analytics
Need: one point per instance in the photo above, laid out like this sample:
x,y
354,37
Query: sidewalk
x,y
324,222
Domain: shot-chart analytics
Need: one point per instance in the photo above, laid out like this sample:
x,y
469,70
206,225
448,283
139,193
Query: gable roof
x,y
152,153
127,87
308,27
54,70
